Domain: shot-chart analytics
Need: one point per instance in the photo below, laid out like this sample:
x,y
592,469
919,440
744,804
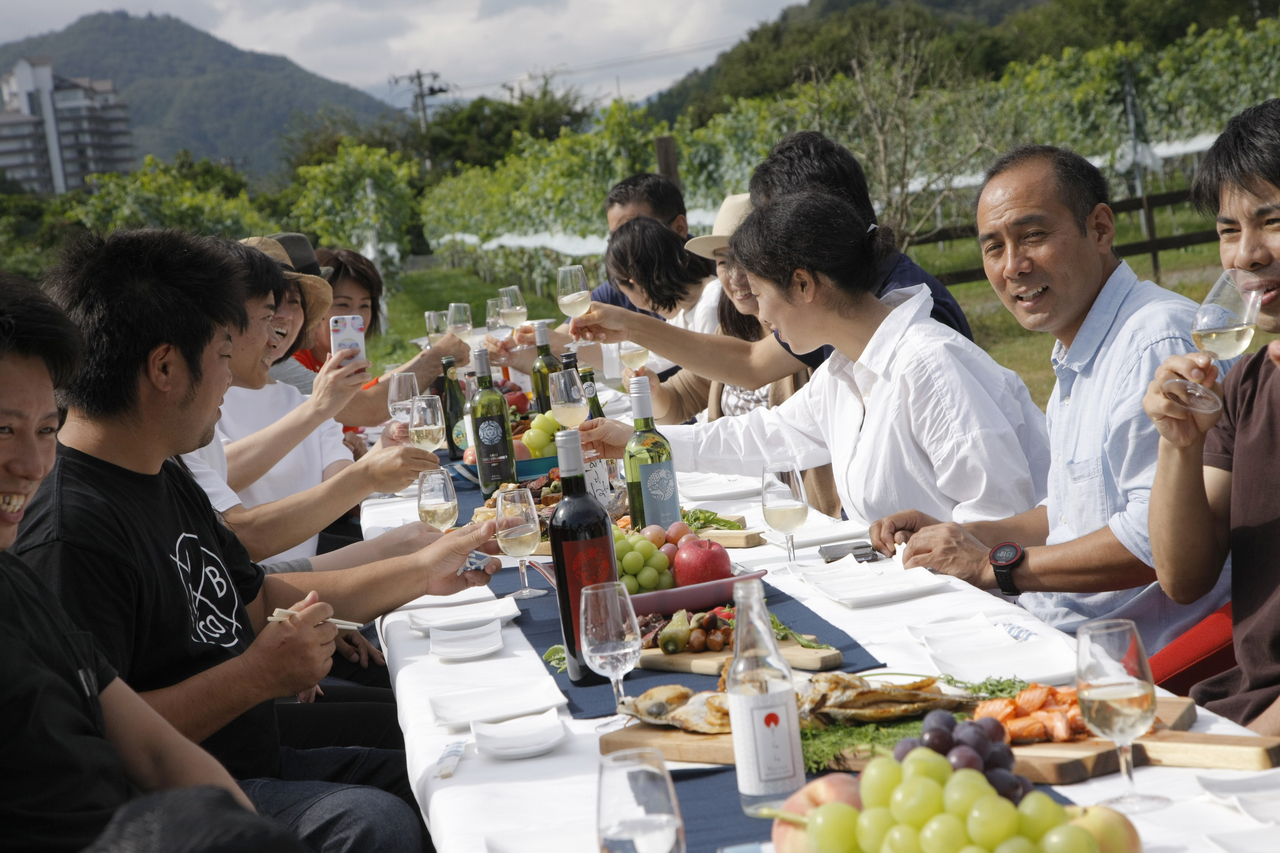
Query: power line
x,y
422,91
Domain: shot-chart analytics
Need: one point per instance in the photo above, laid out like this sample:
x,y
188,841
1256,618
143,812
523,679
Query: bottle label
x,y
586,562
588,389
492,461
460,435
598,481
453,374
661,501
766,743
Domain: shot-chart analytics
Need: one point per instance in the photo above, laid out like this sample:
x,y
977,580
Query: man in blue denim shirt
x,y
1046,234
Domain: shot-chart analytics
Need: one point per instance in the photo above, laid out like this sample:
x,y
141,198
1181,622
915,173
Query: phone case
x,y
346,331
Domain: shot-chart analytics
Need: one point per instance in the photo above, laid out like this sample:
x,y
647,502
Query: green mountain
x,y
187,89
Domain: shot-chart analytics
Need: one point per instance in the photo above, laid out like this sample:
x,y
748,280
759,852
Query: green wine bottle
x,y
651,474
454,409
589,389
543,366
495,449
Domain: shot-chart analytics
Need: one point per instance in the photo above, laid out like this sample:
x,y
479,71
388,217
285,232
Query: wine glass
x,y
572,294
1117,697
783,502
401,389
519,533
636,804
426,423
437,326
459,322
512,310
633,355
1223,328
610,637
437,503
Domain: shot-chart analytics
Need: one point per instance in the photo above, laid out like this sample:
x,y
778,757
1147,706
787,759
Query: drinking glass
x,y
519,533
437,326
426,423
437,503
572,294
633,355
1117,697
512,309
401,389
610,637
459,322
1223,328
636,806
569,404
784,503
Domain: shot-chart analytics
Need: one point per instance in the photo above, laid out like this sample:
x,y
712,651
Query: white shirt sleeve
x,y
212,481
331,447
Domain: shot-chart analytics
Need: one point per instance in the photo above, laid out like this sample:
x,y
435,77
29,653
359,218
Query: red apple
x,y
1111,829
517,399
701,561
833,788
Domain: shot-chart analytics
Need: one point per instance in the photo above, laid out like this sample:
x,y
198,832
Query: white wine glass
x,y
633,355
1117,697
426,423
437,502
512,309
783,502
636,807
519,533
459,321
401,389
569,405
610,637
437,326
1223,328
572,294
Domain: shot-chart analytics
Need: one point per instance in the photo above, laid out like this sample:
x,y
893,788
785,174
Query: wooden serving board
x,y
711,663
733,538
674,744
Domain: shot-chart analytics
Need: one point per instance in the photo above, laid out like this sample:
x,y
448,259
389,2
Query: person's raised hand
x,y
355,442
603,323
606,437
390,469
1177,424
523,336
394,434
950,550
452,345
628,374
449,553
893,530
833,788
337,383
354,647
290,657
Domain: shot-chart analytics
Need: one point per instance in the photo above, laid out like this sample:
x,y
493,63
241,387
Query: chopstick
x,y
282,615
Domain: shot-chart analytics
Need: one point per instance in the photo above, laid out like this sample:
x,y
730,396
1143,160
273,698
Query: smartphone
x,y
346,331
862,551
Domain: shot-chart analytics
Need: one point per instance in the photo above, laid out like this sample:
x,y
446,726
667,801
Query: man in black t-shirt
x,y
137,556
76,743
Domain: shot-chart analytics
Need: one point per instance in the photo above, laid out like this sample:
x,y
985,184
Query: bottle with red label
x,y
582,551
762,707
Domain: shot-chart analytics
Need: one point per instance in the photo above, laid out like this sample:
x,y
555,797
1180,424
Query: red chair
x,y
1202,652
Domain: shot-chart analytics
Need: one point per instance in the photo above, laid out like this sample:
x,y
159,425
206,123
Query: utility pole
x,y
422,91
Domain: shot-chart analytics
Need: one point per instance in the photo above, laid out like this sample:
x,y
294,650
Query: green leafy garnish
x,y
698,519
989,688
822,746
782,632
555,656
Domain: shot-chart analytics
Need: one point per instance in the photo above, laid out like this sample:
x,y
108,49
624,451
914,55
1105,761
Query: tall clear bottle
x,y
469,387
651,473
582,550
495,449
454,408
543,366
762,707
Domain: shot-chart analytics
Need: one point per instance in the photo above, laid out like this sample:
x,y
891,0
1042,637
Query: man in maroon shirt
x,y
1215,486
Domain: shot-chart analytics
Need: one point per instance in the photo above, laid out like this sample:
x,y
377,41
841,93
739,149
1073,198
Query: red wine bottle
x,y
582,551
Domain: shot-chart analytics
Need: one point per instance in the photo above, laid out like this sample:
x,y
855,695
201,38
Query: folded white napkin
x,y
840,531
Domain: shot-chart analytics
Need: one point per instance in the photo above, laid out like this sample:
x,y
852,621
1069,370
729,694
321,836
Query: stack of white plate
x,y
523,737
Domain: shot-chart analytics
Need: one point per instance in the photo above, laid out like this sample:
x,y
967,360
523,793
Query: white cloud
x,y
469,42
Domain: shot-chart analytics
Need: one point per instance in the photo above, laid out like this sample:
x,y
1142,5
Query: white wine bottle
x,y
543,366
651,474
495,449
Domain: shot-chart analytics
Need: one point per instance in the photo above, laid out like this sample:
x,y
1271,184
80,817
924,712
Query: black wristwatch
x,y
1006,557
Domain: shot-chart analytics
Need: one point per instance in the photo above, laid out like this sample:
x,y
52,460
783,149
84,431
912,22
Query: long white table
x,y
549,803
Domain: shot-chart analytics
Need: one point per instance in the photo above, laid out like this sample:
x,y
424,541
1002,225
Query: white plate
x,y
519,732
464,615
467,643
1257,795
496,703
719,488
1263,840
1038,658
885,588
524,751
807,537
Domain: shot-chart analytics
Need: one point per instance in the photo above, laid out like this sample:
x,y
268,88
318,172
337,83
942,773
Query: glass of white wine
x,y
1117,697
401,389
437,326
519,533
459,320
610,637
437,503
426,423
572,294
783,501
1223,328
512,309
637,808
633,355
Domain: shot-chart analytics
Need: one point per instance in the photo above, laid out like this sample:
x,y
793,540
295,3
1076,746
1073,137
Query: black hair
x,y
262,275
1246,153
292,287
654,259
348,264
133,291
31,325
811,231
1081,186
807,160
732,321
658,192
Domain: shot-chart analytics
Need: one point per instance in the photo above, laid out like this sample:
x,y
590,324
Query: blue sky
x,y
601,46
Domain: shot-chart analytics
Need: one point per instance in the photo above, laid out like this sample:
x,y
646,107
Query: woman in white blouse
x,y
907,411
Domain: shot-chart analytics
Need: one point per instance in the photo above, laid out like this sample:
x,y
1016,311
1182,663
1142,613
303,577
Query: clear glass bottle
x,y
762,707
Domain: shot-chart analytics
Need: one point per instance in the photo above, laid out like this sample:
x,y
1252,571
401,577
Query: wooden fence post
x,y
668,157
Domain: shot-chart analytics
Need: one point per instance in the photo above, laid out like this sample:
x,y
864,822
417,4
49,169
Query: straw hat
x,y
316,292
734,209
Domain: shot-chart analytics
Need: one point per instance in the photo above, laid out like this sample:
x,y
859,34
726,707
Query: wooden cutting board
x,y
711,663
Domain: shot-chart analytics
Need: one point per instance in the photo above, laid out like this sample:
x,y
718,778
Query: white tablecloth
x,y
549,803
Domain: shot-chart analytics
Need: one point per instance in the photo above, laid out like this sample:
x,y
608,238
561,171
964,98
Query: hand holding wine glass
x,y
633,355
569,404
1223,328
459,321
610,636
437,502
519,532
783,502
572,294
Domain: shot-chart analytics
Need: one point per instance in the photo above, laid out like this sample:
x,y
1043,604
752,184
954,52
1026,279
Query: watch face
x,y
1004,554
